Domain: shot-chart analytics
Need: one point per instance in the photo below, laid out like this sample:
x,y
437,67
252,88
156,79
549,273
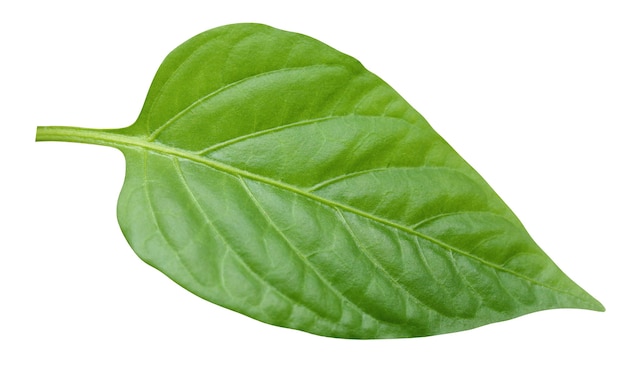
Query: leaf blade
x,y
239,167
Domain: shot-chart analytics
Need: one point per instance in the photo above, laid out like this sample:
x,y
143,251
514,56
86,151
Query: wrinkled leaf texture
x,y
275,176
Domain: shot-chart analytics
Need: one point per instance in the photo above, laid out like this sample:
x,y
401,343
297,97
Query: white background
x,y
531,93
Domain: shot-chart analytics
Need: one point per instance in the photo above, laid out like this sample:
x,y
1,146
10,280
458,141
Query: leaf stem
x,y
77,134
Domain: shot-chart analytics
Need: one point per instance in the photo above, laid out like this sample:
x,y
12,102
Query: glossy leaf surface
x,y
275,176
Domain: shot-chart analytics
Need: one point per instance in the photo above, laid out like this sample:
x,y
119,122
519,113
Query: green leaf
x,y
275,176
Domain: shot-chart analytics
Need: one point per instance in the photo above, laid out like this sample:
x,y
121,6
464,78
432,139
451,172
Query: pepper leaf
x,y
275,176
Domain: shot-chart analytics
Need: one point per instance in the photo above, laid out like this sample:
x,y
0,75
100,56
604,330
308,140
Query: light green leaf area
x,y
275,176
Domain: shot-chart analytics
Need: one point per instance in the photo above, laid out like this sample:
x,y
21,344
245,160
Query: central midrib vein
x,y
120,141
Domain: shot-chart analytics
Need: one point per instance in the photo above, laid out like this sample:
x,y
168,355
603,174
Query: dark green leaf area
x,y
273,175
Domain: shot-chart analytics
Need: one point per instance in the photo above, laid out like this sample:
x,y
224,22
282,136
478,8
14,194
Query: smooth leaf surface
x,y
275,176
